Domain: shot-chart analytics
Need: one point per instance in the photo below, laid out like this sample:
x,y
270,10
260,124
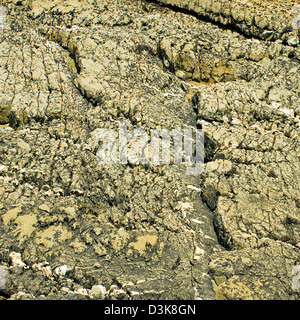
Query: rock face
x,y
267,20
85,230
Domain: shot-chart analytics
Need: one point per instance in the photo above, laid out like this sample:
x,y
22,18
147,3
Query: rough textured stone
x,y
267,20
70,68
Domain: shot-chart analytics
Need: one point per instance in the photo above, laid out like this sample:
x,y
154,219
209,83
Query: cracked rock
x,y
269,20
91,230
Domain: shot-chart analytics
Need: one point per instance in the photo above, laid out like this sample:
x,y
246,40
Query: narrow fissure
x,y
229,26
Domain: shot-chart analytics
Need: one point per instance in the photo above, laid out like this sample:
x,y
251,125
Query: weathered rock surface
x,y
91,231
269,19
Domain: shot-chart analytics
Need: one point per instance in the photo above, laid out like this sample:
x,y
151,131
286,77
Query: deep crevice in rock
x,y
223,237
228,26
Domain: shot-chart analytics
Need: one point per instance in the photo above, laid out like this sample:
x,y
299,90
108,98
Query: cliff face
x,y
128,231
